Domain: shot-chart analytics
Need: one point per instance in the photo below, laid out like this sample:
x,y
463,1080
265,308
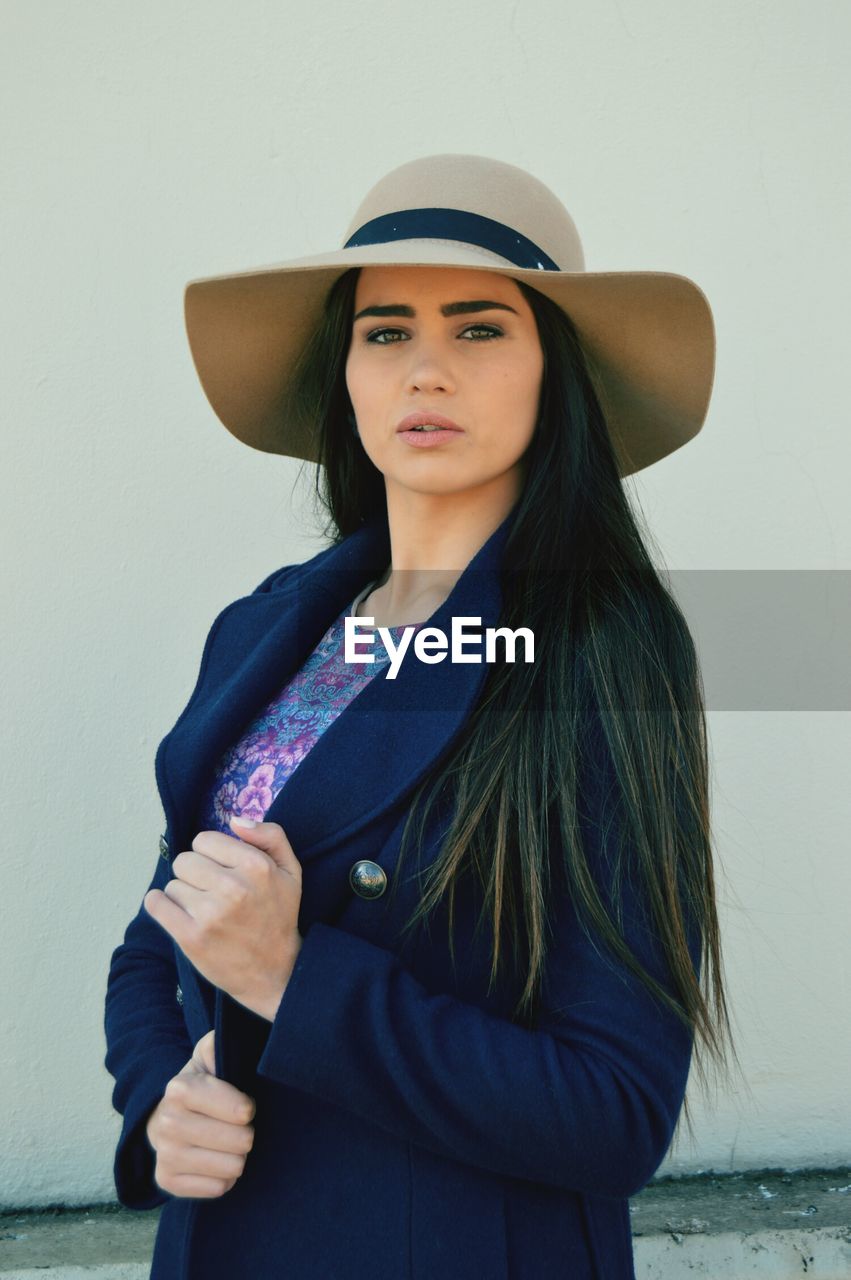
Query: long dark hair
x,y
610,644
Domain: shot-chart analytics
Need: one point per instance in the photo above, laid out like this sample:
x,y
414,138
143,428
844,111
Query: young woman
x,y
433,1014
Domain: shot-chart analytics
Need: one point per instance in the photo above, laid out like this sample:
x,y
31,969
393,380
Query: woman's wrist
x,y
266,1005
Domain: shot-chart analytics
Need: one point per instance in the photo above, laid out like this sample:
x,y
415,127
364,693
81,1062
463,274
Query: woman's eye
x,y
378,333
489,330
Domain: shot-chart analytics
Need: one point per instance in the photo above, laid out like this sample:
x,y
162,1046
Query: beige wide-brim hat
x,y
648,336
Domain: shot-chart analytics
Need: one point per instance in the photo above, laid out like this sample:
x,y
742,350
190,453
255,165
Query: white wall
x,y
146,145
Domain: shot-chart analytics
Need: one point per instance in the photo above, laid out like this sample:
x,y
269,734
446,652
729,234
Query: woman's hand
x,y
200,1129
233,911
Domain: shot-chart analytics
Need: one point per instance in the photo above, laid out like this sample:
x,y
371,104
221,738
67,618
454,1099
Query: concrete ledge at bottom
x,y
768,1223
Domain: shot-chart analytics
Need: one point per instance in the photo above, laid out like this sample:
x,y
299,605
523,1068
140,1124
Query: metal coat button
x,y
163,848
368,879
179,994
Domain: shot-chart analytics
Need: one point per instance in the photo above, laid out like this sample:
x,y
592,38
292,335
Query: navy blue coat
x,y
405,1127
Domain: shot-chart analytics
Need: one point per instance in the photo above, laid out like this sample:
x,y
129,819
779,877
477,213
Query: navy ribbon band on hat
x,y
453,224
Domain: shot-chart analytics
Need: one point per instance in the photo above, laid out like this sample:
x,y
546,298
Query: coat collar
x,y
385,740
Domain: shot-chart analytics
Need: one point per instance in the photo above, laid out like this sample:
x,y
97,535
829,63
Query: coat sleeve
x,y
587,1100
147,1044
146,1036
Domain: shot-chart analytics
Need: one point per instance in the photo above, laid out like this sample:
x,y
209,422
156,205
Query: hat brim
x,y
648,338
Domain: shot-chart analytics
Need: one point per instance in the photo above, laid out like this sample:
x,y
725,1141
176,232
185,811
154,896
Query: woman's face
x,y
450,340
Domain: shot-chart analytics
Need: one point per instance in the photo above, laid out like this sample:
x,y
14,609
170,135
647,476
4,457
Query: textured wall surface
x,y
143,147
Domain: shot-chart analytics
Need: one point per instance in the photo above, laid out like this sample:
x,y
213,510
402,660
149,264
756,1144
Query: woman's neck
x,y
433,537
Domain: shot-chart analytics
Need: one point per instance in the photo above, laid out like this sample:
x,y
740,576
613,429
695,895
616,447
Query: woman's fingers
x,y
180,1138
196,869
197,1186
200,1129
195,1090
194,1129
176,1161
204,1053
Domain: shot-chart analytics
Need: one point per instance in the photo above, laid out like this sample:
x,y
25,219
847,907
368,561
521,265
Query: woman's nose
x,y
430,369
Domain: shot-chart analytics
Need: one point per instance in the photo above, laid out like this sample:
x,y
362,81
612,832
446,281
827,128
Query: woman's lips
x,y
425,439
426,418
428,439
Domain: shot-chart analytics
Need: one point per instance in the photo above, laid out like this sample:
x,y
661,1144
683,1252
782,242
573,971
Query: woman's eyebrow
x,y
447,309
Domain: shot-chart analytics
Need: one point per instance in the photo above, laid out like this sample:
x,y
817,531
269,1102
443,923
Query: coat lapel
x,y
254,646
384,741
